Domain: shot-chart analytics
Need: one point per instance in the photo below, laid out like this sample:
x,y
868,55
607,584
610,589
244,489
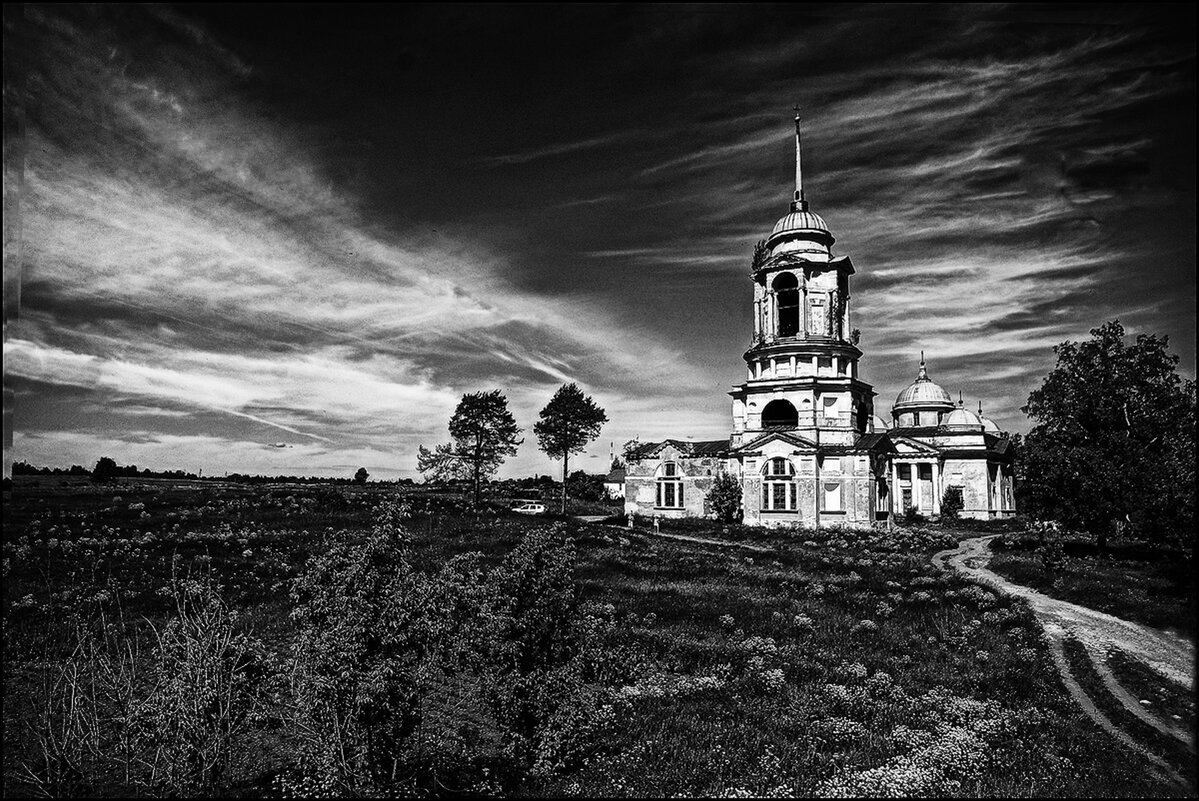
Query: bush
x,y
207,681
951,503
725,497
912,516
373,632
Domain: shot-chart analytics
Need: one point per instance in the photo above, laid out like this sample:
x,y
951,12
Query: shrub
x,y
373,632
725,497
207,680
912,516
951,503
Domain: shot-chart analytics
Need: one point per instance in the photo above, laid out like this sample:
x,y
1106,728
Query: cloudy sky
x,y
287,240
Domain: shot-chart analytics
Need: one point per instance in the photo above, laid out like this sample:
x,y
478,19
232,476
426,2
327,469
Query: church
x,y
807,445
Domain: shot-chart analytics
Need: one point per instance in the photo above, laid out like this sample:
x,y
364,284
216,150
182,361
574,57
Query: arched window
x,y
786,292
780,414
670,487
778,485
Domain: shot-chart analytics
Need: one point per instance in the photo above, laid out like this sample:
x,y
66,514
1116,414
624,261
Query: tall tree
x,y
1113,445
483,433
361,476
568,422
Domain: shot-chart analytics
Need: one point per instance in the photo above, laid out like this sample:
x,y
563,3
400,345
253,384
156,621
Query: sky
x,y
288,239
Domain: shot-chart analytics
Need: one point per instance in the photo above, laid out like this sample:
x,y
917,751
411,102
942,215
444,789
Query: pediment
x,y
911,446
787,437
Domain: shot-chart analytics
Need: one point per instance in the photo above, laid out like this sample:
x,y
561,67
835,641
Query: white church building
x,y
806,443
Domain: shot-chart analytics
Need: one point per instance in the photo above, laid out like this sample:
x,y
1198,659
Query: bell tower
x,y
802,364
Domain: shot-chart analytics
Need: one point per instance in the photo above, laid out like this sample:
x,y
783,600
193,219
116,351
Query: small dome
x,y
962,417
987,423
923,392
878,423
800,221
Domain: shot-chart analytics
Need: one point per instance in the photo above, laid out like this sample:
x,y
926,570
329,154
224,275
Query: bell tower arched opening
x,y
780,414
786,292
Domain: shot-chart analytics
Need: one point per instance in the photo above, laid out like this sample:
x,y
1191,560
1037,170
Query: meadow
x,y
184,638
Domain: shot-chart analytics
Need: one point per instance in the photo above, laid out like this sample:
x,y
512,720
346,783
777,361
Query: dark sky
x,y
288,239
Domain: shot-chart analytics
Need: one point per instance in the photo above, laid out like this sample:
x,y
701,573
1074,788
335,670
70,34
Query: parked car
x,y
530,508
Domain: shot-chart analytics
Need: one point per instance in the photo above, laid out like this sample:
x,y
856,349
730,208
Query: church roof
x,y
615,477
712,447
961,417
923,392
800,220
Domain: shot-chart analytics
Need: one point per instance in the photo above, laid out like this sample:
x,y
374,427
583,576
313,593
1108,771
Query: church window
x,y
786,288
778,486
830,407
779,414
670,487
832,496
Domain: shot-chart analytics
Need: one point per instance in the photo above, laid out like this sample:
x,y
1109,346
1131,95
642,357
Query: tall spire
x,y
799,204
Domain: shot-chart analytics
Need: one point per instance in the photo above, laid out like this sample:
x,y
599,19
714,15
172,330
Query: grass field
x,y
1133,583
833,664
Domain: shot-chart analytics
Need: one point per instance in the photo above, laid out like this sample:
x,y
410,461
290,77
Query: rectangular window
x,y
832,497
778,496
670,494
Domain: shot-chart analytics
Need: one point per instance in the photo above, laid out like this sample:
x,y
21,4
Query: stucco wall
x,y
695,473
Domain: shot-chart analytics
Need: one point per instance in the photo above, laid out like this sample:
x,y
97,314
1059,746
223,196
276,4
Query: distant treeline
x,y
582,485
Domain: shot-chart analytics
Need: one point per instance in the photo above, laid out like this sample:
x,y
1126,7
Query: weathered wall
x,y
695,474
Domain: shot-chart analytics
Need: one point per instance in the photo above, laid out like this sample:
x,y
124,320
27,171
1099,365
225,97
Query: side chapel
x,y
807,445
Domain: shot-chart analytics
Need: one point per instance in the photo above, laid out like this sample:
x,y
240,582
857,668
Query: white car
x,y
530,508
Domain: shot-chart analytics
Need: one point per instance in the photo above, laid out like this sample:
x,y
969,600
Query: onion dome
x,y
923,393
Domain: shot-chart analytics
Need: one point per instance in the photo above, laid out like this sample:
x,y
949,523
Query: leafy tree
x,y
484,433
361,476
725,497
1113,445
105,470
587,487
951,503
568,422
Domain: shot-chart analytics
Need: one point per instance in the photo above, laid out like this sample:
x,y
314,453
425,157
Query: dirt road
x,y
1171,656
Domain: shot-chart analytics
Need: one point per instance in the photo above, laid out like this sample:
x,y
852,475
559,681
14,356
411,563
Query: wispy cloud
x,y
199,265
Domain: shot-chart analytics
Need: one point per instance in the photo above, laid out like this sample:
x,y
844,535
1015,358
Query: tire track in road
x,y
1167,654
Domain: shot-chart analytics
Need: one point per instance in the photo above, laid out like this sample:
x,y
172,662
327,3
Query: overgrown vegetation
x,y
1112,448
1133,581
338,643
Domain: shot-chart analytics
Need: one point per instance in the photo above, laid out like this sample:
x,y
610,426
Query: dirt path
x,y
1169,655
